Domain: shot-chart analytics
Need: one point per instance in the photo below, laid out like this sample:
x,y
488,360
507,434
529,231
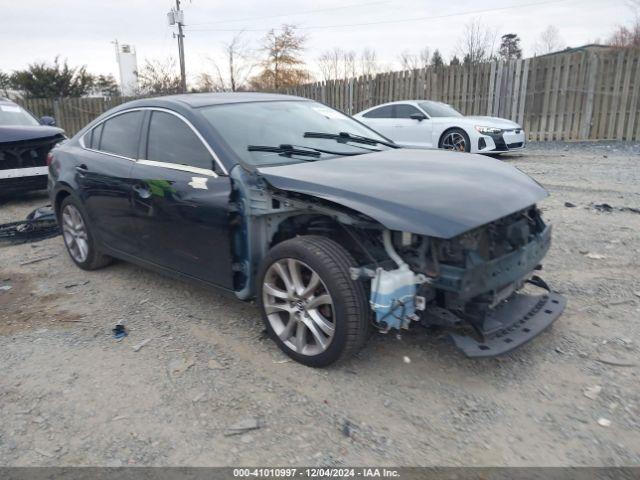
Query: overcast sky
x,y
82,30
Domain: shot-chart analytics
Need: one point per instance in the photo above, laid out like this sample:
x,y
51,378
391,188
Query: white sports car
x,y
429,124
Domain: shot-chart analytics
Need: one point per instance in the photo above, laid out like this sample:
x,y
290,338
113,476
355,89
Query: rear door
x,y
381,120
103,175
180,202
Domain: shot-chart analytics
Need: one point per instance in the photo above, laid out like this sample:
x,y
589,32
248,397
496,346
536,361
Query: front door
x,y
180,204
411,131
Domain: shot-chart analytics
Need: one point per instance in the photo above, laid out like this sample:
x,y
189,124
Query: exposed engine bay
x,y
471,284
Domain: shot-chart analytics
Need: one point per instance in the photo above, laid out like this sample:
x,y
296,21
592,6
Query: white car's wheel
x,y
455,139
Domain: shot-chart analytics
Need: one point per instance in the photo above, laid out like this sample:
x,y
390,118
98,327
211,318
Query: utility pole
x,y
177,17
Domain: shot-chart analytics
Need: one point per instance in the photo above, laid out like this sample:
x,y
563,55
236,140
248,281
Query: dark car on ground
x,y
332,227
24,144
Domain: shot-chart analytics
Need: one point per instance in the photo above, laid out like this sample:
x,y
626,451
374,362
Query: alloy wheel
x,y
454,141
75,235
298,306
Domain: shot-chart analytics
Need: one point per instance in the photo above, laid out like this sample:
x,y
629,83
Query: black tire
x,y
349,309
459,131
94,258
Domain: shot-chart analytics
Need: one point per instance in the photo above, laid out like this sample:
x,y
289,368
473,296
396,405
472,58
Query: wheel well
x,y
447,131
320,225
60,196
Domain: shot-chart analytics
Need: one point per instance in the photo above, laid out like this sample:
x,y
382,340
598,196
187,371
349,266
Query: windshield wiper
x,y
344,137
284,150
299,150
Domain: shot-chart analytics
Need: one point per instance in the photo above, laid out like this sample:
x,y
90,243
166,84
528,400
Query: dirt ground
x,y
70,394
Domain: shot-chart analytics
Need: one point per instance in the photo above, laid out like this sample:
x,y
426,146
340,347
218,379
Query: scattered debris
x,y
616,362
215,364
5,288
603,207
39,259
71,285
245,425
592,392
179,365
44,453
347,428
119,331
637,294
604,422
119,417
141,344
569,204
278,362
406,359
40,224
595,256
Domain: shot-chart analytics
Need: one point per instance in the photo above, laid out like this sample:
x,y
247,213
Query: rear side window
x,y
120,134
382,112
171,140
405,111
94,137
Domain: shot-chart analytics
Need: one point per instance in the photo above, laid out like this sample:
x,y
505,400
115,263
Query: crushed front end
x,y
481,285
23,163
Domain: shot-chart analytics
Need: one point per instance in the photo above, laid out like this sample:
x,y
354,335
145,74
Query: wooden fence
x,y
584,95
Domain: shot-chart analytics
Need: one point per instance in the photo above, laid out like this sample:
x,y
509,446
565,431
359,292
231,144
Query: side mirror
x,y
418,116
48,121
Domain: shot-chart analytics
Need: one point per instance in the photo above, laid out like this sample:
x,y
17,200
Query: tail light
x,y
49,159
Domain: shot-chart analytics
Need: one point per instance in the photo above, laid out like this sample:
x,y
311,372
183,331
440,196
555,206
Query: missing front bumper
x,y
513,323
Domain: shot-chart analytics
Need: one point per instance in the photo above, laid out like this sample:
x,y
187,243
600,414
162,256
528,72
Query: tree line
x,y
278,62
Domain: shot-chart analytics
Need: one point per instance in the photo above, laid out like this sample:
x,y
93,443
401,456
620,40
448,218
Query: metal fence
x,y
585,95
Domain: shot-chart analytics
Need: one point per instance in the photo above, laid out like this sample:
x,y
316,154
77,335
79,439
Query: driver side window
x,y
171,140
383,112
405,111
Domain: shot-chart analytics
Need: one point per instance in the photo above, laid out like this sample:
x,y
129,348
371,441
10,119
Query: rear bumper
x,y
512,324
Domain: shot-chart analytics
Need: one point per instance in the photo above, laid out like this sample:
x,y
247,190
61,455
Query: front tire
x,y
311,307
78,238
455,140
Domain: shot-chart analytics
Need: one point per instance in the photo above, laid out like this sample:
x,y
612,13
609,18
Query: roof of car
x,y
196,100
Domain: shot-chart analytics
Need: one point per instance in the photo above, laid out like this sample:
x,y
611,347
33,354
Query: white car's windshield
x,y
13,115
288,127
437,109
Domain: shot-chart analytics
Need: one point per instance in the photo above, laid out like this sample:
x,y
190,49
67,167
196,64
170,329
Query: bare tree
x,y
413,61
477,43
629,36
159,77
338,63
549,41
283,66
369,62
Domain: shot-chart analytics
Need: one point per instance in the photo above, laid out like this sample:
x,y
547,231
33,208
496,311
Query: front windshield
x,y
284,123
13,115
437,109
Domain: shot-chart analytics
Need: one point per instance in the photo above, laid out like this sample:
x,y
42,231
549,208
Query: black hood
x,y
17,133
428,192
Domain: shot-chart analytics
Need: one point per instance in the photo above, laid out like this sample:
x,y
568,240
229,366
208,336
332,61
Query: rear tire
x,y
318,297
456,140
78,238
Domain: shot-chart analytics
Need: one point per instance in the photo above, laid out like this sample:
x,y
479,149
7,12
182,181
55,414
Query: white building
x,y
128,64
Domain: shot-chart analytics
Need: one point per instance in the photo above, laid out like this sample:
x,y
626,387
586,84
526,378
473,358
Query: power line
x,y
306,12
383,22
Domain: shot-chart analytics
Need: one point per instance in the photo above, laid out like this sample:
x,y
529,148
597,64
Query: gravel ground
x,y
72,395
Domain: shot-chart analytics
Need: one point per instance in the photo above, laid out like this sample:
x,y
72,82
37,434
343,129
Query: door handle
x,y
141,190
82,169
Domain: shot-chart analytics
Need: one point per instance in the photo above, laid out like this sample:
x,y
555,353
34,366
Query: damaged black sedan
x,y
24,144
334,229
